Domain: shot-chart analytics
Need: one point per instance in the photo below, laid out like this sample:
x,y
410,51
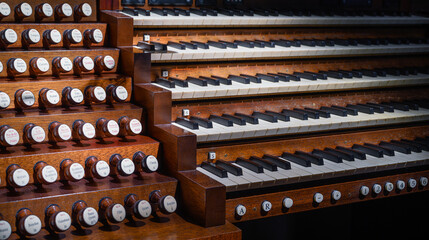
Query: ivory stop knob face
x,y
389,186
412,183
16,66
62,221
89,216
53,36
400,185
266,206
4,100
24,10
64,10
118,212
44,10
240,210
5,230
287,202
318,198
24,99
32,36
112,127
76,171
88,130
9,136
49,174
364,190
169,204
102,168
32,225
20,177
120,93
94,35
151,163
9,36
376,188
84,10
49,97
336,195
73,35
126,166
143,209
64,132
423,181
135,126
36,134
4,10
39,65
86,64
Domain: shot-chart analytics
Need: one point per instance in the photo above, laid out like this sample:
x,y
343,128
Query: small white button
x,y
90,216
376,188
32,224
63,221
4,9
11,136
287,202
53,97
412,183
266,206
118,212
127,166
389,186
240,210
400,184
64,132
77,171
49,174
113,127
5,229
364,190
121,93
4,100
423,181
88,130
336,195
102,168
318,198
144,208
170,204
21,177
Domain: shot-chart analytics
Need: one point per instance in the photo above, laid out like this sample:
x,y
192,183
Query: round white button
x,y
42,64
32,224
5,228
90,216
144,208
47,9
121,93
127,166
88,130
64,132
376,188
287,202
28,98
76,35
20,177
76,95
55,36
77,171
152,163
4,100
1,67
26,9
99,93
4,9
66,9
170,204
400,184
240,210
102,168
86,9
412,183
97,35
53,97
318,198
364,190
19,65
49,174
11,36
389,186
34,35
423,181
113,127
336,195
63,221
109,62
135,126
38,134
118,212
266,206
66,64
11,136
88,63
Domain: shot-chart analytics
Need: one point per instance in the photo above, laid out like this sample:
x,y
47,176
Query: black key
x,y
229,44
149,46
221,120
264,163
395,147
264,116
310,157
201,44
279,116
393,71
239,79
171,12
355,153
268,77
368,150
380,72
247,118
422,141
159,11
234,119
385,108
234,170
291,77
266,43
307,76
189,45
350,111
142,11
247,12
210,12
211,81
282,43
198,12
377,109
277,161
226,12
164,82
214,170
176,45
257,44
295,114
309,113
342,154
341,42
197,81
335,111
328,156
411,146
130,11
252,78
280,77
222,80
369,73
203,122
179,82
324,114
345,74
412,104
217,44
182,12
320,43
355,73
187,123
295,43
307,42
398,106
296,159
332,74
329,42
424,147
318,75
159,47
252,166
423,70
386,151
246,44
420,103
364,41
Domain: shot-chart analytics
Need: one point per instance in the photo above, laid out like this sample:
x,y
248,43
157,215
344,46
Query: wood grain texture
x,y
54,3
307,143
41,27
120,28
91,114
27,158
156,101
49,55
303,198
11,86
